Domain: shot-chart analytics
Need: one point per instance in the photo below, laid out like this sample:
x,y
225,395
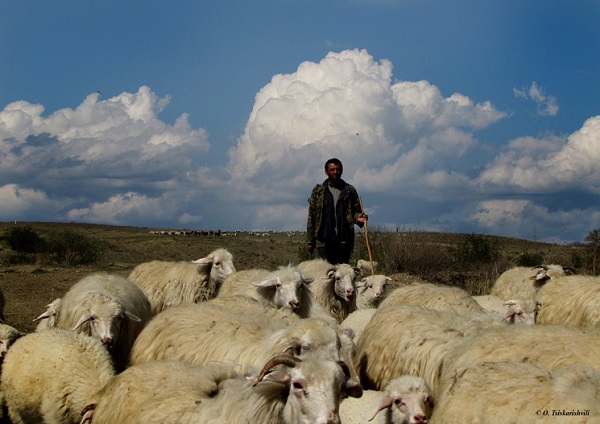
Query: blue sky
x,y
470,116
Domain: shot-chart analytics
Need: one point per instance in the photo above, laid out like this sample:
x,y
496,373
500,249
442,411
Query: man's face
x,y
334,172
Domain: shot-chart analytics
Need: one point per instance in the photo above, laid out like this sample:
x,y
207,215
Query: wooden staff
x,y
367,238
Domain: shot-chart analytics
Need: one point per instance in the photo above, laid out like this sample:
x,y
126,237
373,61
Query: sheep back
x,y
433,296
169,284
200,333
508,392
570,301
52,375
550,346
406,339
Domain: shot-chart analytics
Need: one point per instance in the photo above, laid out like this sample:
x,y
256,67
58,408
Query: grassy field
x,y
465,260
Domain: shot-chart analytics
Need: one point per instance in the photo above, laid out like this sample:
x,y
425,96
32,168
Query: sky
x,y
457,116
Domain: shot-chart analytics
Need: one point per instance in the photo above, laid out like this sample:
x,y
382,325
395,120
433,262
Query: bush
x,y
73,248
24,240
403,252
476,249
530,259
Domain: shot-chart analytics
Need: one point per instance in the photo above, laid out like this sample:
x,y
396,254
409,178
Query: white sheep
x,y
287,391
371,291
523,282
405,400
408,339
358,320
286,287
433,296
246,334
334,286
508,393
515,311
8,335
108,307
47,319
168,284
549,346
365,266
50,376
571,301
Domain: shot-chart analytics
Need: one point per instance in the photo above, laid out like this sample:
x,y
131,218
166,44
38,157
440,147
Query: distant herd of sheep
x,y
199,342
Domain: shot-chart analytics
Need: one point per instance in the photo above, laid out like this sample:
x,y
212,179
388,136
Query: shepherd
x,y
334,207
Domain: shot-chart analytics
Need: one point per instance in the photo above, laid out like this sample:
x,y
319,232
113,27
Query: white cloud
x,y
549,164
526,219
390,135
411,151
101,155
17,201
546,105
121,209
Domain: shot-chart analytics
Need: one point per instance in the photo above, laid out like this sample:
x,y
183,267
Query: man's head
x,y
334,170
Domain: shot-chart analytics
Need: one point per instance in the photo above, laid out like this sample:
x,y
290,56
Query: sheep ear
x,y
203,261
386,402
267,283
46,314
331,273
132,317
84,318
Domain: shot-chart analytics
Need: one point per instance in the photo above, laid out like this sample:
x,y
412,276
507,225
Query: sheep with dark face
x,y
169,284
107,307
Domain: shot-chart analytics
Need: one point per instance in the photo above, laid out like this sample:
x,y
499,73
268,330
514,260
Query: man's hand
x,y
363,217
310,248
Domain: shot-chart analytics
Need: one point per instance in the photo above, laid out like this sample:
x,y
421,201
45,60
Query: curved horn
x,y
282,358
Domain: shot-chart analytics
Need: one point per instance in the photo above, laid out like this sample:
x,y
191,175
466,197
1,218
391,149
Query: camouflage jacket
x,y
321,221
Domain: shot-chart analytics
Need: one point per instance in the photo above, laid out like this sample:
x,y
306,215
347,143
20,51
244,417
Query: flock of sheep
x,y
199,342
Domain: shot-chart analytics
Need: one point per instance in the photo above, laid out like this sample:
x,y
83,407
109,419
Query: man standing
x,y
333,209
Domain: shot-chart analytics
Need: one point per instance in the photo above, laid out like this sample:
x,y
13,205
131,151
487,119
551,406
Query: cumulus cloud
x,y
546,105
389,134
549,164
96,155
411,151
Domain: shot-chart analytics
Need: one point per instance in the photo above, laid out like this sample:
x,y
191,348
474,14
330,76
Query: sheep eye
x,y
299,387
398,402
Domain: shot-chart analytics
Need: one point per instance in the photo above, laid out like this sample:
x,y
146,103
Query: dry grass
x,y
424,255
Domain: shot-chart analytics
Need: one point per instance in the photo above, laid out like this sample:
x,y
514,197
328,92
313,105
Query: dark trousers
x,y
335,252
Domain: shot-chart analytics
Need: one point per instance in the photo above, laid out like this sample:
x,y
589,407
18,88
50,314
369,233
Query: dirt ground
x,y
28,289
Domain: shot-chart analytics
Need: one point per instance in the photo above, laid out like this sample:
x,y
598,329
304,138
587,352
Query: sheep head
x,y
343,277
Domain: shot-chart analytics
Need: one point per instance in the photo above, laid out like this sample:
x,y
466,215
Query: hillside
x,y
29,287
